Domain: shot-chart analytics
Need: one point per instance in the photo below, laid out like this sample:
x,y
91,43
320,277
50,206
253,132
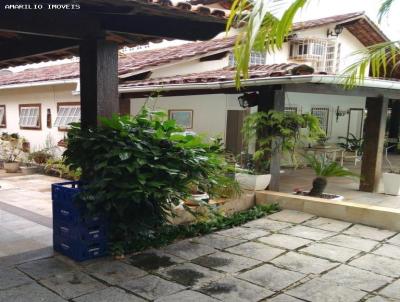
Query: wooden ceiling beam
x,y
30,46
51,24
165,27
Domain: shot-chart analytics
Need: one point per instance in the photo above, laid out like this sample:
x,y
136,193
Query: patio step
x,y
376,216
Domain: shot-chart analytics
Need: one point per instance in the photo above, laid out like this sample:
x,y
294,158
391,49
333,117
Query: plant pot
x,y
253,182
11,167
391,183
197,199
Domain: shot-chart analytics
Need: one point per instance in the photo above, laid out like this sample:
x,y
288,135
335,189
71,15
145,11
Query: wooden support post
x,y
99,80
374,129
273,98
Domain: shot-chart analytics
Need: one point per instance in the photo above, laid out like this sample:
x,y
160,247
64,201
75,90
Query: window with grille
x,y
256,58
2,116
67,114
322,113
323,54
29,116
293,109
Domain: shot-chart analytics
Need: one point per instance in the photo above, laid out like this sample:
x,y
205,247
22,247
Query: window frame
x,y
66,104
38,105
4,125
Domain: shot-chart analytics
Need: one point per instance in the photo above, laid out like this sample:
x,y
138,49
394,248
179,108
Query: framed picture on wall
x,y
183,118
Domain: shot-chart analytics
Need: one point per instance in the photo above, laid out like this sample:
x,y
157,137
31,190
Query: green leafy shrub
x,y
40,157
215,222
351,143
59,168
136,168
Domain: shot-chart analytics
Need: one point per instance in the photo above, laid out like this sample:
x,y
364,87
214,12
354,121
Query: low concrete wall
x,y
375,216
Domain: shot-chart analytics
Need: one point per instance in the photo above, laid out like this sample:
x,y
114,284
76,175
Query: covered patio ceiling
x,y
30,36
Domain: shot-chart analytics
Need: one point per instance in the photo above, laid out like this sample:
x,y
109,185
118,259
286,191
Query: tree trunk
x,y
319,185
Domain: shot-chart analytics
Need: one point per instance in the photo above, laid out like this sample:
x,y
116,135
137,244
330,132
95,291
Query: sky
x,y
324,8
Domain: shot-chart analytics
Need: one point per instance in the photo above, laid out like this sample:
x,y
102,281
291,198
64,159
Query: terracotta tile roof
x,y
225,74
49,73
148,59
324,21
128,63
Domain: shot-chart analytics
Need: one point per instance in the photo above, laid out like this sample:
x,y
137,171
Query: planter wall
x,y
391,183
375,216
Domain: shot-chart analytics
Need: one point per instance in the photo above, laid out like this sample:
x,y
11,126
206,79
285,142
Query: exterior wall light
x,y
336,31
248,99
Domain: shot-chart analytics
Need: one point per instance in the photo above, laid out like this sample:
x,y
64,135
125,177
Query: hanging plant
x,y
276,131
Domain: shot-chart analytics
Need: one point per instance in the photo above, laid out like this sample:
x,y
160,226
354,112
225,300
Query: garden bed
x,y
227,206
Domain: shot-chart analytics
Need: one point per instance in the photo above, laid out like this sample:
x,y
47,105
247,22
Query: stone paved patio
x,y
285,257
25,216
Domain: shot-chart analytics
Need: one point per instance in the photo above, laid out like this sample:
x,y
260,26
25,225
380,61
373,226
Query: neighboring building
x,y
39,103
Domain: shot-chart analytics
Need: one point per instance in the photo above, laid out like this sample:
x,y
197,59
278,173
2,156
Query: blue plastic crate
x,y
65,207
80,232
75,233
79,250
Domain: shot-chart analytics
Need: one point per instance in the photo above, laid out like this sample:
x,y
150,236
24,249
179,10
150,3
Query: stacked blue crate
x,y
76,234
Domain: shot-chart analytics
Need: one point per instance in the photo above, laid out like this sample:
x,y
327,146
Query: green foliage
x,y
59,168
216,221
40,157
267,24
351,143
324,167
136,168
381,59
278,131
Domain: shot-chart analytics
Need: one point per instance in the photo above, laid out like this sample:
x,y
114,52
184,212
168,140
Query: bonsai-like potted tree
x,y
273,131
324,168
11,150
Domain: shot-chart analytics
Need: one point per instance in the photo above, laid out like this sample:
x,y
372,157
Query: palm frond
x,y
384,9
324,167
267,24
382,59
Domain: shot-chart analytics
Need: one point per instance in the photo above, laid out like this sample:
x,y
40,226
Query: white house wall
x,y
210,111
306,101
48,97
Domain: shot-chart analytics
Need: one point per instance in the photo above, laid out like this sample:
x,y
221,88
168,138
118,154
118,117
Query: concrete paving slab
x,y
328,224
271,277
257,251
331,252
368,232
307,232
110,294
378,264
284,241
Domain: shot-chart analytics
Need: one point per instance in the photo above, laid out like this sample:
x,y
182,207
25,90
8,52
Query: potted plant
x,y
391,182
273,131
249,177
11,151
40,157
324,168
